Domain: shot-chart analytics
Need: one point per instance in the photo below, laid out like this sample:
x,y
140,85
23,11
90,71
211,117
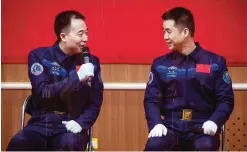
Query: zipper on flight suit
x,y
186,80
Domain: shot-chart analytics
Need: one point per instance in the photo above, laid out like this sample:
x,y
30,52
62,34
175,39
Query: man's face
x,y
173,36
76,38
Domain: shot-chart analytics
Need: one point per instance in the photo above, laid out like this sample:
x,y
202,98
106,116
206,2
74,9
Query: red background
x,y
124,31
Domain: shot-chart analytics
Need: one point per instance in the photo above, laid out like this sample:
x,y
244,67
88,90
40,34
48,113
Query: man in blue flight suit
x,y
190,86
65,105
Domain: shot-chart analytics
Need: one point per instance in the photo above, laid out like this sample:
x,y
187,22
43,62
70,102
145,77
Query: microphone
x,y
86,56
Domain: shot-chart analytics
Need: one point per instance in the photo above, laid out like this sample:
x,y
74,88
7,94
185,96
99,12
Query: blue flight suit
x,y
199,82
58,95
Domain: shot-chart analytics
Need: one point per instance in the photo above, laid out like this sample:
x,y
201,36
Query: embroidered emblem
x,y
99,77
151,77
226,77
36,69
172,72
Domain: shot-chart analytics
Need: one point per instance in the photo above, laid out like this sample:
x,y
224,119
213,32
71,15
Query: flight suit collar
x,y
178,57
195,54
59,54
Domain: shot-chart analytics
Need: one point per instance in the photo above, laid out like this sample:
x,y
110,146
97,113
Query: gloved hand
x,y
158,131
85,71
72,126
209,128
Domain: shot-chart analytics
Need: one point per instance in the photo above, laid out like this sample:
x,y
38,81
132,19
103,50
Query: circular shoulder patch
x,y
151,77
226,77
99,77
36,69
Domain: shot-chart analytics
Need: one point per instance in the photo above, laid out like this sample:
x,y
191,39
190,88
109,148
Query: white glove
x,y
72,126
209,128
85,71
158,131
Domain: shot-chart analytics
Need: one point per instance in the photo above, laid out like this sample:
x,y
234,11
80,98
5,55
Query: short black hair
x,y
182,17
63,21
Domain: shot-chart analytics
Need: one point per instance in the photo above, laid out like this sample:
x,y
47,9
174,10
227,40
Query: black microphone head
x,y
86,55
80,58
85,50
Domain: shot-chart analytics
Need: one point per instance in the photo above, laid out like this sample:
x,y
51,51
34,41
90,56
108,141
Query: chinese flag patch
x,y
77,68
203,68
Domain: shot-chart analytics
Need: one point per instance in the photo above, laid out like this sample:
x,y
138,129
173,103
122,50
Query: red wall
x,y
124,31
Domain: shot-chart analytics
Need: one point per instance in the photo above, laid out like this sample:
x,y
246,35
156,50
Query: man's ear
x,y
63,37
186,32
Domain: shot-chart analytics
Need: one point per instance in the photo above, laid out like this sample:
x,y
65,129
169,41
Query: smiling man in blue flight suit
x,y
190,86
64,104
